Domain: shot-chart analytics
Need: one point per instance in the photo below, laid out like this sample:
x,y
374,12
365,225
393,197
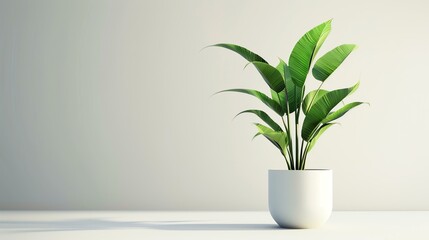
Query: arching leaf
x,y
264,117
329,62
271,76
264,98
340,112
269,73
318,133
312,97
320,110
280,138
247,54
305,50
279,98
293,97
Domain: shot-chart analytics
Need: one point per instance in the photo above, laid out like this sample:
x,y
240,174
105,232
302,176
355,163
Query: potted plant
x,y
299,197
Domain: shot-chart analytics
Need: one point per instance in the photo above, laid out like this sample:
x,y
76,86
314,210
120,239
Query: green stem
x,y
302,157
287,162
284,124
287,128
296,132
289,142
305,156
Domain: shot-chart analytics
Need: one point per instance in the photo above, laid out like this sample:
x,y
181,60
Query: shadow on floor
x,y
100,224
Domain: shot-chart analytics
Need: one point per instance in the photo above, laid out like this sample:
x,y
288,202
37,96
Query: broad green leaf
x,y
329,62
271,76
305,50
279,98
340,112
278,137
320,110
247,54
294,95
318,133
264,117
273,142
269,73
311,98
284,70
264,98
292,100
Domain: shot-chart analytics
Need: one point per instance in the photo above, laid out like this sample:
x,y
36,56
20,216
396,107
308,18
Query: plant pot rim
x,y
305,170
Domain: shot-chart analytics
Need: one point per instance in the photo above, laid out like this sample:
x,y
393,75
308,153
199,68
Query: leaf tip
x,y
213,45
247,64
328,22
239,114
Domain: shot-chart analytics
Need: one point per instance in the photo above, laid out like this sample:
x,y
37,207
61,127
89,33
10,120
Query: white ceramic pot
x,y
300,198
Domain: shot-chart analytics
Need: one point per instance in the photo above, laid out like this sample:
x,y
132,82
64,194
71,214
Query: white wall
x,y
106,104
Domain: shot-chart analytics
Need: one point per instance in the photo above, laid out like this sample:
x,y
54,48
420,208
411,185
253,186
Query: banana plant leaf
x,y
280,98
245,53
271,76
264,117
270,140
329,62
312,97
293,97
318,133
305,51
264,98
340,112
280,138
321,109
269,73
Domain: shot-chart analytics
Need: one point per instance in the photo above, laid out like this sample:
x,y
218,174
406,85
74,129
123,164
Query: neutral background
x,y
107,104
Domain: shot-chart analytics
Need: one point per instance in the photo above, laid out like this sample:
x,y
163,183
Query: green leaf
x,y
340,112
305,50
318,133
320,110
292,100
264,117
279,98
294,95
264,98
247,54
271,76
280,138
269,73
273,142
312,97
329,62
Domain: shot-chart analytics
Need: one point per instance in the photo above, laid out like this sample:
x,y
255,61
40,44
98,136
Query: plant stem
x,y
287,162
286,101
287,132
305,156
284,124
296,132
302,157
287,128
